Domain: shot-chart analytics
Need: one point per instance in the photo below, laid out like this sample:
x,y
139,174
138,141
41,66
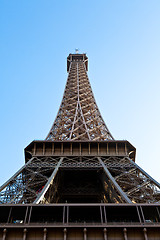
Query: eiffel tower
x,y
80,182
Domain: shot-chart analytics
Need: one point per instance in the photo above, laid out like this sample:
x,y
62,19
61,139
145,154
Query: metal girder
x,y
138,187
81,163
123,195
25,185
33,180
124,173
145,173
50,181
133,180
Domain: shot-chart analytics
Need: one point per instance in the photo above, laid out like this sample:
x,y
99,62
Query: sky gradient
x,y
122,42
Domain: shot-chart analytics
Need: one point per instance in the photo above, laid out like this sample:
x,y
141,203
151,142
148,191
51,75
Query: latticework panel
x,y
29,181
120,180
135,183
78,117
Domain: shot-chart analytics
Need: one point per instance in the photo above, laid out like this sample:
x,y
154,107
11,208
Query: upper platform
x,y
77,57
110,148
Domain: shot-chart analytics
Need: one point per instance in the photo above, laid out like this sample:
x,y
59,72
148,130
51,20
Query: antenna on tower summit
x,y
76,50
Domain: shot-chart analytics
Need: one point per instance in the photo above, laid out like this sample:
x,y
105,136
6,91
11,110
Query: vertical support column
x,y
101,214
125,233
71,149
34,149
65,233
142,214
158,212
44,234
24,233
89,148
44,148
67,214
30,212
52,148
85,233
4,234
107,149
25,219
116,149
138,214
80,149
98,148
64,214
145,234
125,148
61,148
10,211
105,233
105,217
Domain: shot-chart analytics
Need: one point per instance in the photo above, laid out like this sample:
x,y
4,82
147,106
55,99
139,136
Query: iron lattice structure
x,y
79,161
35,182
78,117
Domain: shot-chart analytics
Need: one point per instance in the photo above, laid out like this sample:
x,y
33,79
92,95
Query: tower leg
x,y
119,189
49,182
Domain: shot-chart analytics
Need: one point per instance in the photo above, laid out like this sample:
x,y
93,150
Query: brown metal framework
x,y
80,182
123,180
78,117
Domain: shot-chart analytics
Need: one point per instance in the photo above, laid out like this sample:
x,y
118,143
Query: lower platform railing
x,y
80,214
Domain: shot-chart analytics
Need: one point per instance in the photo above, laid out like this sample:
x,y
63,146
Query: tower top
x,y
78,58
78,117
76,50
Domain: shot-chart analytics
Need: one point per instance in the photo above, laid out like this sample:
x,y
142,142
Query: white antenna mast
x,y
77,50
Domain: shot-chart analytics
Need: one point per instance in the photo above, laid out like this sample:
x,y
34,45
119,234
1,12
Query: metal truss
x,y
123,180
133,182
29,181
78,117
80,163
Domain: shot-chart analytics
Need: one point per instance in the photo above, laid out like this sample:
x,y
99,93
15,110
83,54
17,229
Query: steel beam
x,y
119,189
49,182
146,174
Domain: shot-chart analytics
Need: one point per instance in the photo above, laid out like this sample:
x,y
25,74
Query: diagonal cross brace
x,y
123,194
138,187
49,182
146,174
15,175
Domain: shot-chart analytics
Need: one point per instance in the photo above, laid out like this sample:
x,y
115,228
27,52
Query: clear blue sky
x,y
122,41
